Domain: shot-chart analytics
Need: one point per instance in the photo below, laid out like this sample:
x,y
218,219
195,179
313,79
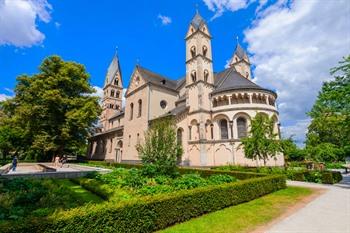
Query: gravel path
x,y
329,213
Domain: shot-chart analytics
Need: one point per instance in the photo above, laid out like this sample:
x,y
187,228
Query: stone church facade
x,y
212,110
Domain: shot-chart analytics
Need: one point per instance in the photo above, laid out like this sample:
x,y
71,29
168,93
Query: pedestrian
x,y
57,161
63,160
14,163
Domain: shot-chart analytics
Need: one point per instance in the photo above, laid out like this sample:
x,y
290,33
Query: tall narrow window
x,y
189,132
131,110
194,76
140,108
117,94
138,139
193,51
212,131
112,93
223,129
179,136
241,127
204,50
129,140
116,82
206,75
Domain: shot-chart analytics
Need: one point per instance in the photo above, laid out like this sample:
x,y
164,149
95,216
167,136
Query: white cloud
x,y
164,19
294,48
98,93
18,21
57,25
4,97
220,6
297,131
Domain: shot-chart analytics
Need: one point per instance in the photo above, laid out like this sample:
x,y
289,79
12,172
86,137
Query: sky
x,y
292,44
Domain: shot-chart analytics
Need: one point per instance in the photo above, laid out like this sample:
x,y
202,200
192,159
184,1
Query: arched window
x,y
241,127
206,75
179,136
204,50
138,139
116,82
112,93
129,140
223,129
117,94
131,110
140,108
193,51
194,76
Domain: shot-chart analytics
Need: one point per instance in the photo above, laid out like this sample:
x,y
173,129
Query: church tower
x,y
112,92
199,65
240,61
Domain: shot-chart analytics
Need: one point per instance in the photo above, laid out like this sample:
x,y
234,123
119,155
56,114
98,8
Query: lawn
x,y
244,217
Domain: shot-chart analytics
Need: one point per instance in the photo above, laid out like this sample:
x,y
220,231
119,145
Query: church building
x,y
212,110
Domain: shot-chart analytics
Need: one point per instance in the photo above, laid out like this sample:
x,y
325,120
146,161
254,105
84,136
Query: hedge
x,y
325,177
94,186
149,214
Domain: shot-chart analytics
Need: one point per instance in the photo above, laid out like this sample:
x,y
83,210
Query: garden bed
x,y
135,203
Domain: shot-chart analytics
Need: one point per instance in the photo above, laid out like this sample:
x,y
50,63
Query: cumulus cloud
x,y
220,6
293,47
164,19
4,97
18,21
297,131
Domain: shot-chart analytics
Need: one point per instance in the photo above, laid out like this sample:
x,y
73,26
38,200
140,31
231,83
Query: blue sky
x,y
292,44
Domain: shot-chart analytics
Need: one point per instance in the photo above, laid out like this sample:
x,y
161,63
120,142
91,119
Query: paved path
x,y
328,213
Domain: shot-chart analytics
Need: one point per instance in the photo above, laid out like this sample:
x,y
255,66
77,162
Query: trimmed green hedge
x,y
152,213
324,177
95,187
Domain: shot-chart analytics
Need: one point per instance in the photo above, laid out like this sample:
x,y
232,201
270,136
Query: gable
x,y
136,81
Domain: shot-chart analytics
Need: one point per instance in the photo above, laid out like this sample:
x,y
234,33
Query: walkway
x,y
329,213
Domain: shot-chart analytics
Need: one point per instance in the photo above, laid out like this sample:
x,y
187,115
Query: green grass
x,y
244,217
80,193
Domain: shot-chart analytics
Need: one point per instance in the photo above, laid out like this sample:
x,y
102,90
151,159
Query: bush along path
x,y
328,213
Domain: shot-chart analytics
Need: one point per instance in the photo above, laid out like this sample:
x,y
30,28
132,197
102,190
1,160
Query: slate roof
x,y
157,79
176,111
197,21
240,52
113,68
230,79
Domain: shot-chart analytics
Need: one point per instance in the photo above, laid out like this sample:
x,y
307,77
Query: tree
x,y
160,150
53,108
262,142
331,112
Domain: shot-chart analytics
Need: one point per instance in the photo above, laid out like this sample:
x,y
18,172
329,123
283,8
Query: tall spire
x,y
113,68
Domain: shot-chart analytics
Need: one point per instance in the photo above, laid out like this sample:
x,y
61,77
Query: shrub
x,y
189,181
96,187
337,177
160,151
221,179
151,214
327,178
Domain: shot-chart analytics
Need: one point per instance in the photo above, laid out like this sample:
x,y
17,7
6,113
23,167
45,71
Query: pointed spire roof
x,y
240,52
113,68
197,20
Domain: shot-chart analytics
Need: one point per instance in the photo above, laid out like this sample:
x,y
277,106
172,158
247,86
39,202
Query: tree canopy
x,y
160,151
330,125
53,110
262,142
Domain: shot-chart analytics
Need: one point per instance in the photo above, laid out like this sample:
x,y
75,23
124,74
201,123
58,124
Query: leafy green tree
x,y
54,108
262,142
160,150
331,113
325,152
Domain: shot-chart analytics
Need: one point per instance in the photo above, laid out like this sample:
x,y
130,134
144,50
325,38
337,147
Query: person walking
x,y
14,163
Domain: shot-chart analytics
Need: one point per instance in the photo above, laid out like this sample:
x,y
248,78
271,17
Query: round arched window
x,y
163,104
